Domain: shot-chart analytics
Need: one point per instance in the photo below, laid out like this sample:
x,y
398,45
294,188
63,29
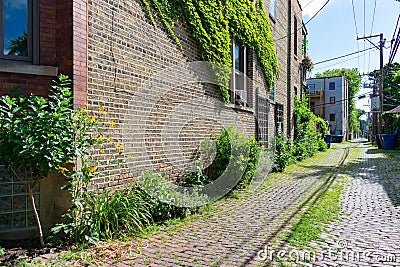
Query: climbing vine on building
x,y
213,23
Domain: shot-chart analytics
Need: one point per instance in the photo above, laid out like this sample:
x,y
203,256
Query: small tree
x,y
36,136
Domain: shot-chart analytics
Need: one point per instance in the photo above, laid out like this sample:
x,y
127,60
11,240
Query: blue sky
x,y
333,33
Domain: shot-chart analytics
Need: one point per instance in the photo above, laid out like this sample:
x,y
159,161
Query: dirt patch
x,y
17,250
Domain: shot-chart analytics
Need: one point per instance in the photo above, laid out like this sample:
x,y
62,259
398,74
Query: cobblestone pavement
x,y
370,234
234,232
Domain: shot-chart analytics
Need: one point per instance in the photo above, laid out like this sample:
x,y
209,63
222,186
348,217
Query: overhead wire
x,y
355,25
372,27
304,24
356,52
338,62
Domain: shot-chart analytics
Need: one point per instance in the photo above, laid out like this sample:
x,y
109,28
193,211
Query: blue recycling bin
x,y
328,140
388,141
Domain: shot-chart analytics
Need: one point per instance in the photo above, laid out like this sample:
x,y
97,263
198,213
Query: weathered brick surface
x,y
124,51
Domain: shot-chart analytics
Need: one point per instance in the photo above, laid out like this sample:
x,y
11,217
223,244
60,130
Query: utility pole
x,y
377,120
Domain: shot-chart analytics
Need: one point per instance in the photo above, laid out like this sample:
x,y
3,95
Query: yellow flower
x,y
119,146
79,115
86,104
63,170
84,110
111,123
131,156
102,109
92,169
92,119
101,151
100,137
110,140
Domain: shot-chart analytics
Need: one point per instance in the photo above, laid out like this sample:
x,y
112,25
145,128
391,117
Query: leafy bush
x,y
36,137
283,153
105,216
309,131
244,153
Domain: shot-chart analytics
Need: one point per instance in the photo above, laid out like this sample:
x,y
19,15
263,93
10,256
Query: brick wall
x,y
124,51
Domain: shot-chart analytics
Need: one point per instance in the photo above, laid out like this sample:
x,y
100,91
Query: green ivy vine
x,y
213,22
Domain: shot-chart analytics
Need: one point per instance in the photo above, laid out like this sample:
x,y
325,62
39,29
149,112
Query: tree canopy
x,y
391,85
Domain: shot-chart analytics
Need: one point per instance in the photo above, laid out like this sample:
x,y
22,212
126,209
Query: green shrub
x,y
309,131
105,216
244,153
282,153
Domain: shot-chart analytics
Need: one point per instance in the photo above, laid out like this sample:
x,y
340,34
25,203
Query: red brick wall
x,y
27,83
79,42
62,44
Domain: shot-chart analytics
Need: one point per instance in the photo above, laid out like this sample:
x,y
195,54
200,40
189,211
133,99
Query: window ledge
x,y
239,107
28,68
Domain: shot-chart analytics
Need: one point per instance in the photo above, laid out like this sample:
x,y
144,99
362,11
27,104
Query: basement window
x,y
15,206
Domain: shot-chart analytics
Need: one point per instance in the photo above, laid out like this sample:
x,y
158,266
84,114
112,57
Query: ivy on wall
x,y
213,22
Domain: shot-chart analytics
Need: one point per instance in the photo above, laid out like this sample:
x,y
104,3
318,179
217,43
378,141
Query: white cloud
x,y
310,7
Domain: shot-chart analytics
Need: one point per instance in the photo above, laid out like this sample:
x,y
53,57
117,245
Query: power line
x,y
304,24
316,13
372,27
336,63
356,52
355,25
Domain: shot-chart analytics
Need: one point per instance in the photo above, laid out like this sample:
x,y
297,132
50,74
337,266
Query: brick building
x,y
110,49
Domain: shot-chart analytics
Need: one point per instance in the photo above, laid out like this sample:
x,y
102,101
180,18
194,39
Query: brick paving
x,y
235,230
370,234
238,229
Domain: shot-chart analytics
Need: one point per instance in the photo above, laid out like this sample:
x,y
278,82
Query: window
x,y
311,86
312,106
332,100
295,91
16,38
332,117
295,48
15,208
272,8
278,117
272,92
238,80
332,86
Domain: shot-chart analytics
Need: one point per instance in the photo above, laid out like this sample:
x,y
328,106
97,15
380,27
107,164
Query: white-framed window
x,y
332,100
239,69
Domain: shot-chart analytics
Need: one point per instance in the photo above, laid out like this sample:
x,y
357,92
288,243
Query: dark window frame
x,y
332,117
33,34
279,114
295,36
271,94
332,87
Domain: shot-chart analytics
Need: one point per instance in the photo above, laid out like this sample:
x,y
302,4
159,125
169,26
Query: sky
x,y
333,32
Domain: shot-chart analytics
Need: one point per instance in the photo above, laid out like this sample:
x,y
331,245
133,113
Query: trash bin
x,y
328,140
388,141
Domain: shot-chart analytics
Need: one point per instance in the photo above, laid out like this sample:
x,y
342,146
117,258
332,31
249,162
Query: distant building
x,y
328,98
